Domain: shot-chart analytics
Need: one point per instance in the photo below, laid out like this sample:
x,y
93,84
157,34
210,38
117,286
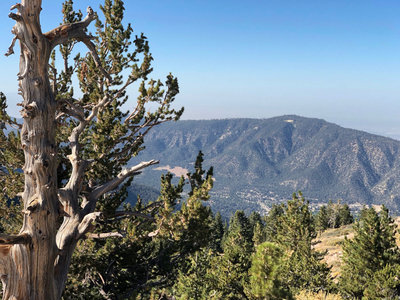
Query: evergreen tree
x,y
255,218
73,150
229,275
157,244
217,233
333,214
264,282
371,255
198,281
272,222
322,219
257,226
295,226
258,234
385,284
345,216
11,177
302,267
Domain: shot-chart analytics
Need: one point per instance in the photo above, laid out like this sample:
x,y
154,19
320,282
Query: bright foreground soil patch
x,y
177,171
331,241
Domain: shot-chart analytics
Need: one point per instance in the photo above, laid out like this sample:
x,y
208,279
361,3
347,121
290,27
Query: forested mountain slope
x,y
258,162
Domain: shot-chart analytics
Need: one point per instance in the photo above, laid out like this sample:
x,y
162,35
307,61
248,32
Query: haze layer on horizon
x,y
335,60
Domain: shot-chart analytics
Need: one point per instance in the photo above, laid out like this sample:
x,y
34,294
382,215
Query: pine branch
x,y
77,31
78,165
124,174
133,213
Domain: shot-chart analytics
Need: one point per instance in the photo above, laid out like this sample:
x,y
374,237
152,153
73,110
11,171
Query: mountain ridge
x,y
259,162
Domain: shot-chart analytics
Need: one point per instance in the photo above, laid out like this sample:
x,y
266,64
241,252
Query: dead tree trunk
x,y
34,264
28,265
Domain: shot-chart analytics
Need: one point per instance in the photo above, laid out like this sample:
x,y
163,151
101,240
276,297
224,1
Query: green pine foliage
x,y
11,175
198,280
220,275
257,225
302,267
332,215
175,246
272,222
345,216
322,219
159,240
385,284
236,260
264,282
250,268
217,233
371,258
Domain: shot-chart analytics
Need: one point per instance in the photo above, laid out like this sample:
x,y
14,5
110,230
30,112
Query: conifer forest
x,y
66,229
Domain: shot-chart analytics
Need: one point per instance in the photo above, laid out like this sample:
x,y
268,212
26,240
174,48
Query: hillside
x,y
259,162
331,242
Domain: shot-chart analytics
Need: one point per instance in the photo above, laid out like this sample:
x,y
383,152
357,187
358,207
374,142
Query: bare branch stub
x,y
85,225
11,48
124,174
66,32
104,235
15,239
77,31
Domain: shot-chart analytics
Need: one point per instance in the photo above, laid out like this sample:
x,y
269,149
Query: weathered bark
x,y
28,265
34,264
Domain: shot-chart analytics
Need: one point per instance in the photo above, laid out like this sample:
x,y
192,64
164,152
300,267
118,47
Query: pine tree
x,y
345,216
257,226
229,275
385,284
198,281
372,249
322,219
11,178
302,267
156,247
264,280
272,222
295,226
217,233
333,214
73,149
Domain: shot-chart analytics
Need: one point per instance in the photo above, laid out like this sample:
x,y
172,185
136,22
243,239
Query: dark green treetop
x,y
371,255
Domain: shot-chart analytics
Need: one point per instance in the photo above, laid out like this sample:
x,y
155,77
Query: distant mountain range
x,y
259,162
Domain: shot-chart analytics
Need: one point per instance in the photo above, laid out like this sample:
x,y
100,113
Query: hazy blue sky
x,y
337,60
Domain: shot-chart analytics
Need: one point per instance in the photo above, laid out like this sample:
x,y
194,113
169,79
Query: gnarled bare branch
x,y
77,31
104,235
124,174
11,48
66,32
15,239
86,223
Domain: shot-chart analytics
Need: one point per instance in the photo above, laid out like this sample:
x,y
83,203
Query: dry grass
x,y
303,295
331,241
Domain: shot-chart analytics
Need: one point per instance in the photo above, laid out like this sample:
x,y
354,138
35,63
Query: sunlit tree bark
x,y
34,264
